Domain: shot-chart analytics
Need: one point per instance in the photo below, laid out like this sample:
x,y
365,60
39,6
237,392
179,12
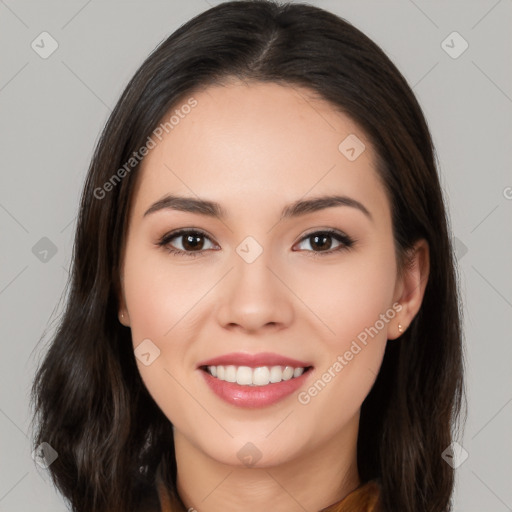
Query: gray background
x,y
52,111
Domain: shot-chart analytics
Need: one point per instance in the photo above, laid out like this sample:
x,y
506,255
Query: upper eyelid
x,y
184,231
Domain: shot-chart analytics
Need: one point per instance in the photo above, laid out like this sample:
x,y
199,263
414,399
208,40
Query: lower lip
x,y
254,396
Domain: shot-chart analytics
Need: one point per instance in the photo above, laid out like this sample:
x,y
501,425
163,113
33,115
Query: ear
x,y
122,312
410,287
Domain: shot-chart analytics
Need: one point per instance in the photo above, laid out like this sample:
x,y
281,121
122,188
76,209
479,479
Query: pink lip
x,y
254,397
254,360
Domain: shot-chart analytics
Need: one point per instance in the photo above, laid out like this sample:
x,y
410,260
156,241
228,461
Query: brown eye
x,y
188,242
321,242
192,242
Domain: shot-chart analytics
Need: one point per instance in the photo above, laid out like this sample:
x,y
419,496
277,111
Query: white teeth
x,y
230,374
244,375
298,372
288,373
275,374
260,376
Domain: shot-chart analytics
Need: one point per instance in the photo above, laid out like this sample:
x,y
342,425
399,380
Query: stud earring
x,y
400,328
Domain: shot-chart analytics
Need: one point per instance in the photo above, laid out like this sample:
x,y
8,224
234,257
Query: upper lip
x,y
254,360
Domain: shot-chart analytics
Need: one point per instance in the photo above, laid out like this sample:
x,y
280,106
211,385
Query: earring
x,y
400,329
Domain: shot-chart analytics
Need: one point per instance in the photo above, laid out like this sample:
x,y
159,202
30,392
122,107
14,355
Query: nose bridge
x,y
252,267
254,296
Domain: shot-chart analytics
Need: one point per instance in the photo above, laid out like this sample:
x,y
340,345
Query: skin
x,y
255,148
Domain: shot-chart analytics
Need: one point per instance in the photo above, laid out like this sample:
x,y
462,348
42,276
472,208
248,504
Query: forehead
x,y
259,141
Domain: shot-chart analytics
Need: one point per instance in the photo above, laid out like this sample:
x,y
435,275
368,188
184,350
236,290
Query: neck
x,y
312,480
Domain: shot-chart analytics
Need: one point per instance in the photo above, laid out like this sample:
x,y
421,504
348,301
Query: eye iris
x,y
324,244
192,241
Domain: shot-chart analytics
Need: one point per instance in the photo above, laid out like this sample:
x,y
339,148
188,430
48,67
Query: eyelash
x,y
347,242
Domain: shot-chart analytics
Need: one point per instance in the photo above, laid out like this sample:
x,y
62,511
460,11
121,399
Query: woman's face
x,y
262,277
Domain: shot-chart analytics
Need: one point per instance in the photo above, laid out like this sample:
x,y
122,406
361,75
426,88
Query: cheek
x,y
159,294
353,301
350,296
160,299
165,302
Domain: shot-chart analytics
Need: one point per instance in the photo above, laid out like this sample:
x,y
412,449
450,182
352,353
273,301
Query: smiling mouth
x,y
259,376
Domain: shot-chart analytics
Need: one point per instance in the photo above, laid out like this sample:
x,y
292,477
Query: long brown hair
x,y
90,403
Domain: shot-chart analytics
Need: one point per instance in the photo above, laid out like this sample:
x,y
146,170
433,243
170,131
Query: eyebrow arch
x,y
295,209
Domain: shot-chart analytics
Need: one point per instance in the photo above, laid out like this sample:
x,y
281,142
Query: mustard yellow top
x,y
363,499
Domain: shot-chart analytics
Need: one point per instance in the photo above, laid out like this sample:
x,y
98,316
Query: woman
x,y
263,311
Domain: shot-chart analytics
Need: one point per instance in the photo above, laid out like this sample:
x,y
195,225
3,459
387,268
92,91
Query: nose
x,y
254,296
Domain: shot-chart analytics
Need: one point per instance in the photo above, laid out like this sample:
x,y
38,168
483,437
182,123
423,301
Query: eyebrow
x,y
295,209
